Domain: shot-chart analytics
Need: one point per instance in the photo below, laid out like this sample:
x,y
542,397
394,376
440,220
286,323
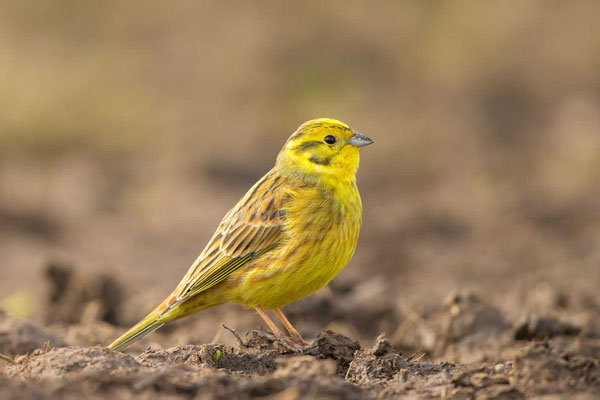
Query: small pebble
x,y
499,368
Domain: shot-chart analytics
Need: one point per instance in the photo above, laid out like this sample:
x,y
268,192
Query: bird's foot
x,y
297,339
283,342
290,344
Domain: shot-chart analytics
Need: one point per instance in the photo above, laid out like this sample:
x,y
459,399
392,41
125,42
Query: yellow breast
x,y
321,231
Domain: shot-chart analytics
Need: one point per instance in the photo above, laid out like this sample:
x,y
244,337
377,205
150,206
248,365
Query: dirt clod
x,y
250,362
21,337
546,368
382,346
467,315
543,328
306,366
73,296
374,365
58,362
333,345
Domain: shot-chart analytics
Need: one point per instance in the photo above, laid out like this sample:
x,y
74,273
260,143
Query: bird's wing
x,y
252,228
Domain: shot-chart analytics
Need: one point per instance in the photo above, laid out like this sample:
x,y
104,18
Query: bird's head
x,y
324,148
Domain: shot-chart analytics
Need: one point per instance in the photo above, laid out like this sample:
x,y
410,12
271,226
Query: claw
x,y
289,344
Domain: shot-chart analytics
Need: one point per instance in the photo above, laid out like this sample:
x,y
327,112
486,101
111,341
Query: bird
x,y
288,236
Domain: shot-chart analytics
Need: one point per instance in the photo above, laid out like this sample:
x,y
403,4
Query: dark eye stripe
x,y
321,161
302,147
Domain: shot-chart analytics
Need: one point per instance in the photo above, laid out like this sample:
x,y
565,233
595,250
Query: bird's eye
x,y
329,139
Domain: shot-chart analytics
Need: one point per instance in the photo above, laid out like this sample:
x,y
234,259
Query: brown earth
x,y
464,348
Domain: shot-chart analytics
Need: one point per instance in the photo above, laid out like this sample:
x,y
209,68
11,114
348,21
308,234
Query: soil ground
x,y
465,347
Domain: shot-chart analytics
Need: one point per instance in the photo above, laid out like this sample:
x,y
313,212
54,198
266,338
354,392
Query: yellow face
x,y
324,147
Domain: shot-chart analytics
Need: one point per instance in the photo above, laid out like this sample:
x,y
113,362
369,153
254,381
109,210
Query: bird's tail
x,y
146,326
157,318
170,309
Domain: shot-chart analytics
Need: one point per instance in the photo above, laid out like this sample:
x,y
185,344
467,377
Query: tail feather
x,y
145,327
157,318
169,310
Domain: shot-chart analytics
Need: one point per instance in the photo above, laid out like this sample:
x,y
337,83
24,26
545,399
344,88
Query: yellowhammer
x,y
292,233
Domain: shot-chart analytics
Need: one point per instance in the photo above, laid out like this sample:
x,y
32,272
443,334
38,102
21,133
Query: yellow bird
x,y
292,233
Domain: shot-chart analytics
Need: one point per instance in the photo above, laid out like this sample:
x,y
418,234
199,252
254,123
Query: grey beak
x,y
359,140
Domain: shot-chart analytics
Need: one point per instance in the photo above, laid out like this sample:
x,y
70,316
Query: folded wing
x,y
252,228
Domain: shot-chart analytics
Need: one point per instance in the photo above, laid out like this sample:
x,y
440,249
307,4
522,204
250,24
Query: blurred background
x,y
128,129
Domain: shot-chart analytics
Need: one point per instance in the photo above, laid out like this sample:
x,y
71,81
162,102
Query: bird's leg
x,y
294,343
274,328
290,328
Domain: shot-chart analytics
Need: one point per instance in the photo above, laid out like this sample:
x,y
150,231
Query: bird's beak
x,y
359,140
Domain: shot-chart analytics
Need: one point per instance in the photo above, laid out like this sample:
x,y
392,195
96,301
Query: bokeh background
x,y
128,129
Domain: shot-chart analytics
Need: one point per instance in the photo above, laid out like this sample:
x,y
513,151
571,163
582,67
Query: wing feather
x,y
251,228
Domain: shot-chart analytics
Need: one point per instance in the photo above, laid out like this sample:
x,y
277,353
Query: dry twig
x,y
234,333
7,359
